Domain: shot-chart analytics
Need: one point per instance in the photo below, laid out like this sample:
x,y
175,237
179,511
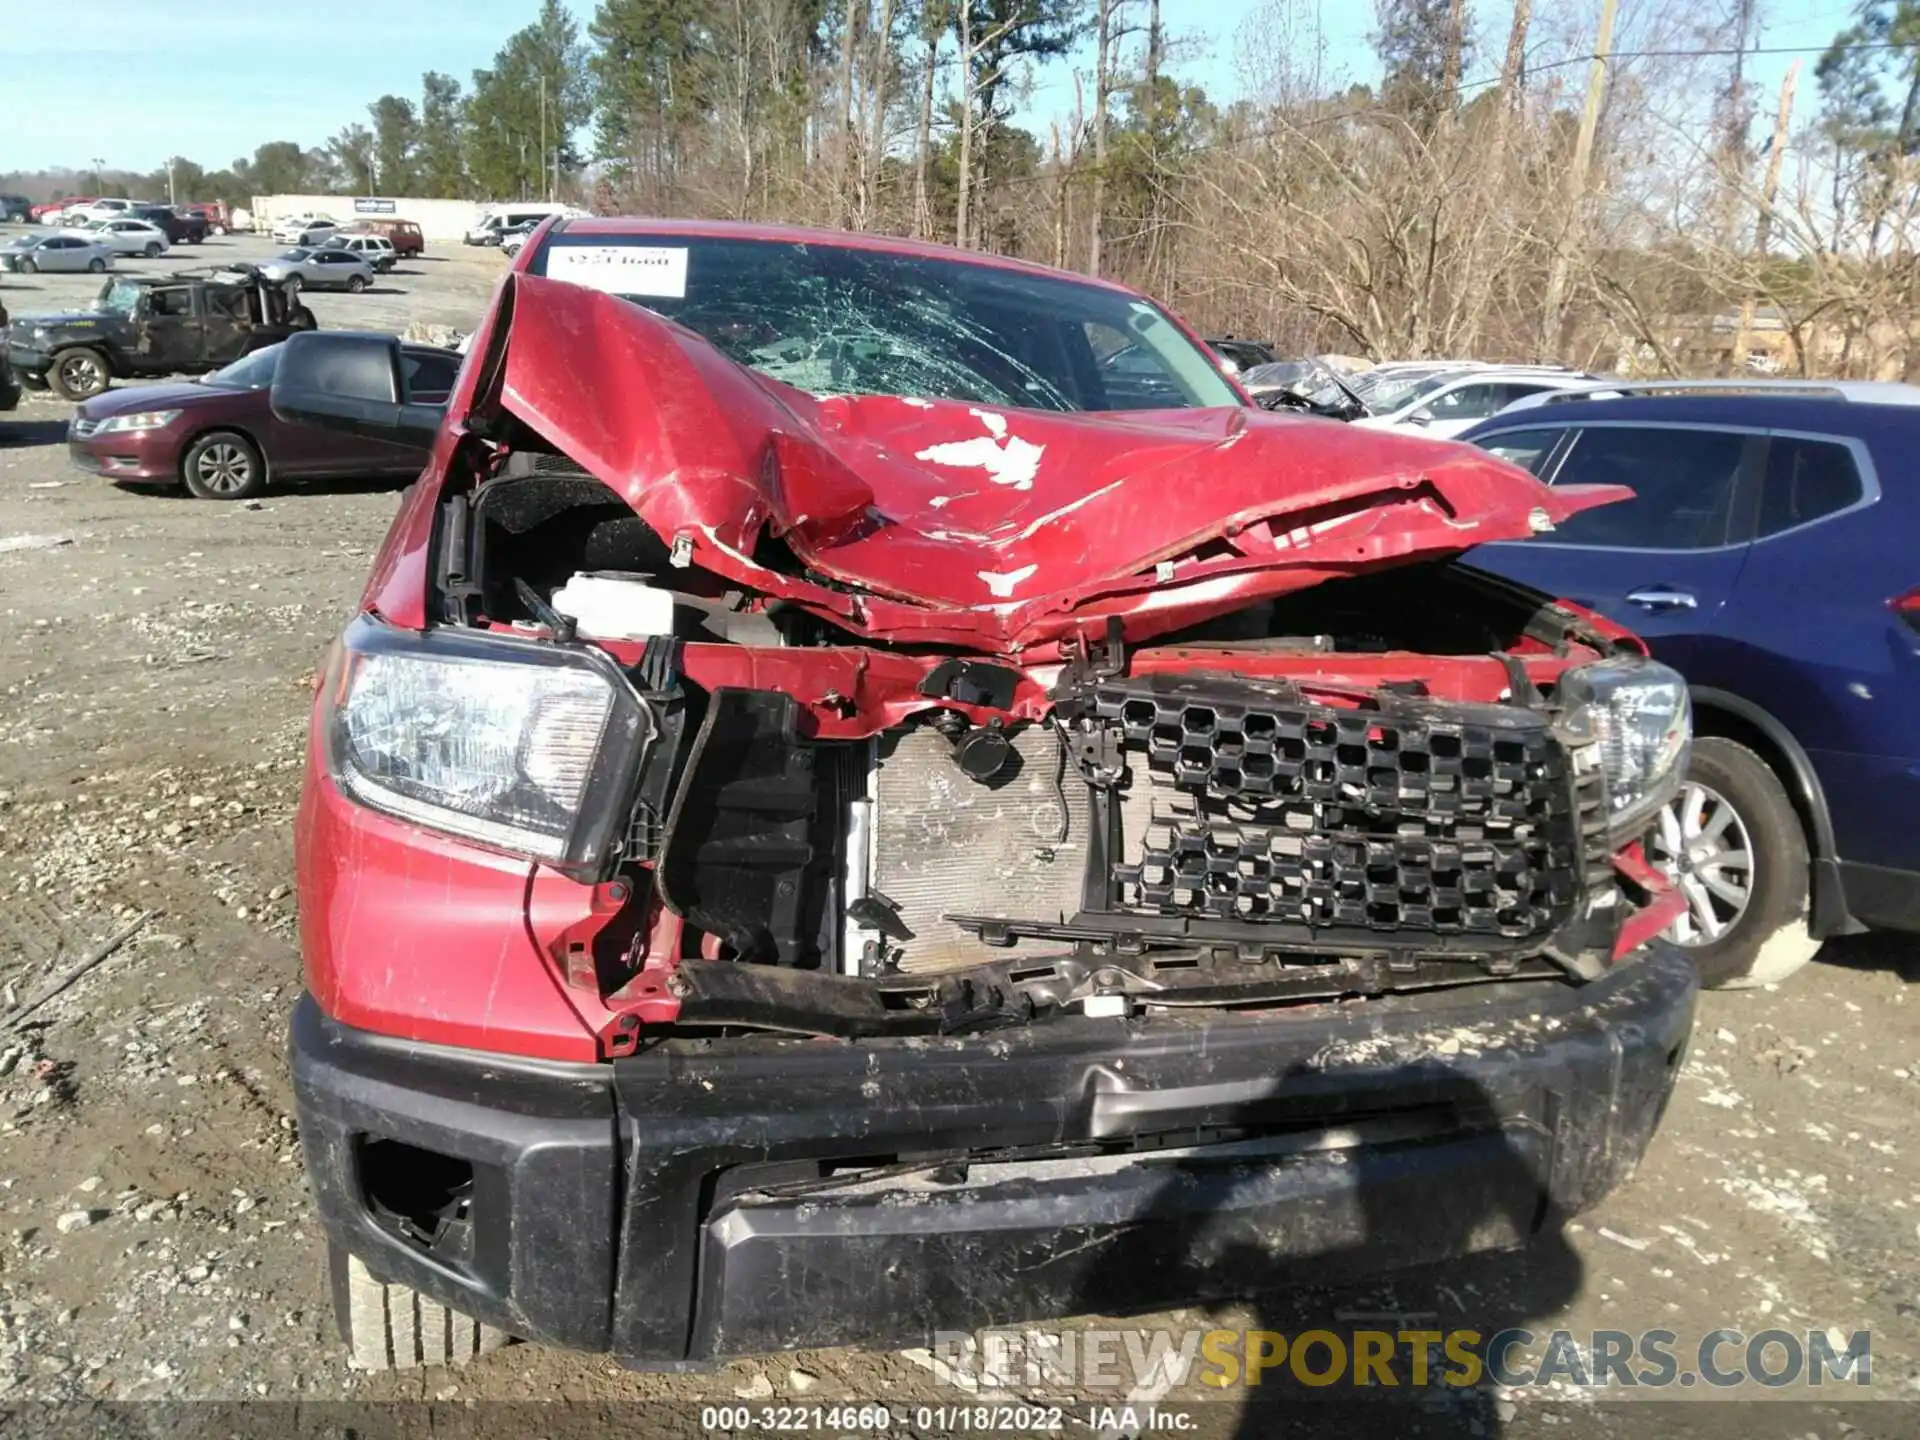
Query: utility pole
x,y
1102,83
1763,222
1553,311
543,131
171,198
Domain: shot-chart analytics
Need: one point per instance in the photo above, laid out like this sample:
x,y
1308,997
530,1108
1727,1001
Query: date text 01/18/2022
x,y
930,1419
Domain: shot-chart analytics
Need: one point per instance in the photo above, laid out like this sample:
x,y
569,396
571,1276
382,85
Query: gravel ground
x,y
155,1240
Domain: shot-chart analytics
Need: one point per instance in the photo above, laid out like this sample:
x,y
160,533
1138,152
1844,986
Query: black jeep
x,y
9,387
185,323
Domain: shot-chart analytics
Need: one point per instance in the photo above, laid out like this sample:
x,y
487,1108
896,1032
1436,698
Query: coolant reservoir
x,y
614,606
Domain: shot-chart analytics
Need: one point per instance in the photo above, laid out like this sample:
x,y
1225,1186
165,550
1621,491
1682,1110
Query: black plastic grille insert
x,y
1414,817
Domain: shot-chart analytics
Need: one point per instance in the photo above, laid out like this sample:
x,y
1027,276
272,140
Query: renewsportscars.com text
x,y
1080,1361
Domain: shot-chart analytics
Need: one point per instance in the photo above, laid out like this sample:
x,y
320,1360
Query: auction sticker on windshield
x,y
659,271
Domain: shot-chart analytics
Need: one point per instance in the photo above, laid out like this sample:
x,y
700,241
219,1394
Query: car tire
x,y
1740,817
395,1327
96,265
223,465
152,252
356,283
27,267
79,374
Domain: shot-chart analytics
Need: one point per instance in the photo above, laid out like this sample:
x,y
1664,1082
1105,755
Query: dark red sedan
x,y
218,436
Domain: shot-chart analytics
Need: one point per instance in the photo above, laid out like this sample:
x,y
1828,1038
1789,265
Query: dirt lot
x,y
154,678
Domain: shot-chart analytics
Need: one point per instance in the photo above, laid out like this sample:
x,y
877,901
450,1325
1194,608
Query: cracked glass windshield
x,y
841,321
120,297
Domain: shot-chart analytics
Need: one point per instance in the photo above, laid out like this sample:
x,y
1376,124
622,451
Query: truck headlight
x,y
518,745
1640,715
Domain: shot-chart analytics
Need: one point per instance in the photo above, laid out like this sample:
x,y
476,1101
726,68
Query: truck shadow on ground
x,y
1342,1241
23,433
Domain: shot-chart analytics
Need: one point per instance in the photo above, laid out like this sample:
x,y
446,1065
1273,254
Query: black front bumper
x,y
28,364
649,1207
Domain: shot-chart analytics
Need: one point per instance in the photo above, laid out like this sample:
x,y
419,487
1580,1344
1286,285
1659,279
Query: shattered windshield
x,y
834,320
120,297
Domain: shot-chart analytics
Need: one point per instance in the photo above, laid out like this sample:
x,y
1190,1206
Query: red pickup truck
x,y
214,212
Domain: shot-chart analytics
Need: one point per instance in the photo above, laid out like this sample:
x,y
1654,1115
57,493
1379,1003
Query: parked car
x,y
150,326
376,250
319,269
405,235
304,230
1386,385
1311,386
49,212
56,254
15,209
1445,404
1768,556
493,221
219,438
514,236
1245,354
182,227
1027,829
213,212
91,212
130,237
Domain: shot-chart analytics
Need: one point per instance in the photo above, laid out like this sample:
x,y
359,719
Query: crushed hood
x,y
994,529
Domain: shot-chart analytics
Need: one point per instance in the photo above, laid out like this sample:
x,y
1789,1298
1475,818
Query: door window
x,y
227,303
1528,449
1469,402
172,303
1806,480
1682,482
429,377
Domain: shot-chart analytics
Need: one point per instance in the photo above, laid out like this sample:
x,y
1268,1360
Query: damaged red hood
x,y
994,529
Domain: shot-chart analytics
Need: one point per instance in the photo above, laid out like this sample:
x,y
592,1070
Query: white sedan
x,y
131,237
56,253
305,229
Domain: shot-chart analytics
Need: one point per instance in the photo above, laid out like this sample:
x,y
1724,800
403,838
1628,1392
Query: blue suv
x,y
1771,554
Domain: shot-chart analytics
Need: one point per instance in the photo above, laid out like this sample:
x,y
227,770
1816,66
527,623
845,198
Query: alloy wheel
x,y
1700,843
223,468
82,374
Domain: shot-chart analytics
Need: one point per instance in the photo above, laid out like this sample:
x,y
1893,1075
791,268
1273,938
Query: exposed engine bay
x,y
1355,788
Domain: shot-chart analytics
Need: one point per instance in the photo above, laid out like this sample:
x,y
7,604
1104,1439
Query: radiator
x,y
944,844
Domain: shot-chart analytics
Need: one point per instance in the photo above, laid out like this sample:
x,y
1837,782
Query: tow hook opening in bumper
x,y
419,1196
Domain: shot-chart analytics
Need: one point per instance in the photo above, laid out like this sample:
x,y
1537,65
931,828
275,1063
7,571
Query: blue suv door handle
x,y
1659,597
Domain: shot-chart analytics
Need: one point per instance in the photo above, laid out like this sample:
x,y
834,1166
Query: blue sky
x,y
199,78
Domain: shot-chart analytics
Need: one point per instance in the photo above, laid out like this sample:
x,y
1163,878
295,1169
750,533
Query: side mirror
x,y
1420,417
351,383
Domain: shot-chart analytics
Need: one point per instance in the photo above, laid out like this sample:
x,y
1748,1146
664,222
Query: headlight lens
x,y
520,746
1639,714
145,420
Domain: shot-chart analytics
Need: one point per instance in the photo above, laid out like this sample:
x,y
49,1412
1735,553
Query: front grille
x,y
1252,805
